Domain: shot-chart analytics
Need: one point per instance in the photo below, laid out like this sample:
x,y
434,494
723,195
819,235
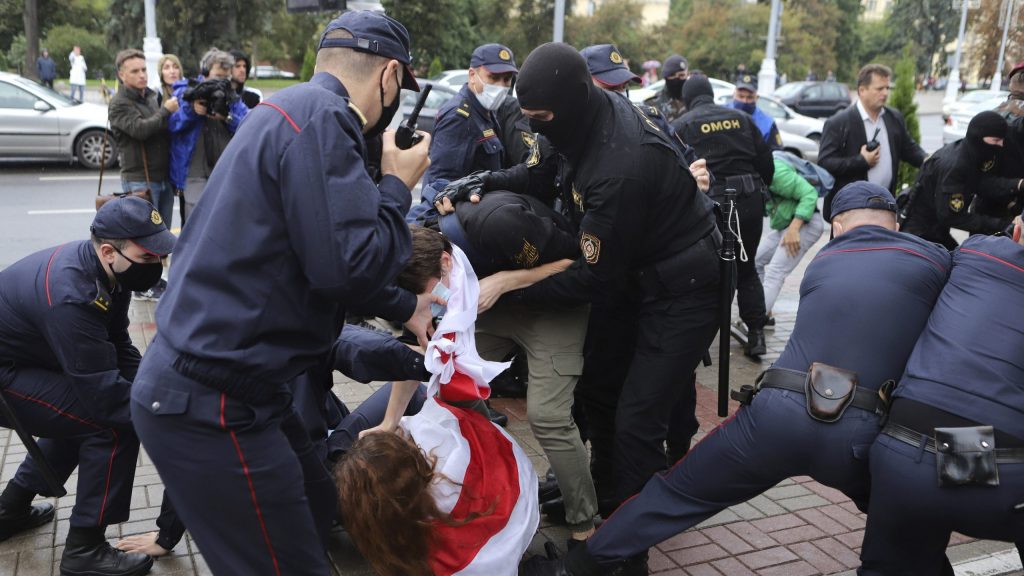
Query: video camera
x,y
216,94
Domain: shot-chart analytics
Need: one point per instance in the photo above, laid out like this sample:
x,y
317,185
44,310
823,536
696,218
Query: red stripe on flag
x,y
490,487
461,388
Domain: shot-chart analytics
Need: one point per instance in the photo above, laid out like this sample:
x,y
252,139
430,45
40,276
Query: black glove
x,y
463,188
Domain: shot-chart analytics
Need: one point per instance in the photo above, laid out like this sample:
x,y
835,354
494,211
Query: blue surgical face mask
x,y
441,291
747,107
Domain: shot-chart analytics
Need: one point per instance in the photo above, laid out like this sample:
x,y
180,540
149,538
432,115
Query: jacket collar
x,y
330,83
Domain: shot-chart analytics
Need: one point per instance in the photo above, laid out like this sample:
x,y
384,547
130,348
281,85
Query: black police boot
x,y
495,416
547,489
756,346
554,510
102,559
14,521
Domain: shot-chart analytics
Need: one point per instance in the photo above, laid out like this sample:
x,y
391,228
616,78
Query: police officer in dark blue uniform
x,y
66,367
863,302
467,135
290,229
740,159
745,98
951,455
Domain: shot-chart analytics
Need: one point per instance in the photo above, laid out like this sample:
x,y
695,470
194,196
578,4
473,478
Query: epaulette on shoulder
x,y
463,109
102,300
652,111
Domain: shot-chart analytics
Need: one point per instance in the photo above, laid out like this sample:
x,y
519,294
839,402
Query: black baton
x,y
42,465
727,267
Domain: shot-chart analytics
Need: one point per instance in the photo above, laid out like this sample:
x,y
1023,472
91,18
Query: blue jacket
x,y
766,124
290,232
968,360
58,313
46,68
185,126
863,279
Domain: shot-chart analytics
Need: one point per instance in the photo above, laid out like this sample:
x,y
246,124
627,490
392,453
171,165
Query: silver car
x,y
36,122
787,119
956,125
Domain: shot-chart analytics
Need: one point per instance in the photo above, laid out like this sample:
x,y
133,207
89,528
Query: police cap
x,y
607,66
495,58
373,33
746,82
862,194
514,228
674,63
132,218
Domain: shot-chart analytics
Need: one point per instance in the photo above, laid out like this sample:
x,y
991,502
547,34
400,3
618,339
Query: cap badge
x,y
155,218
956,202
746,79
615,57
504,54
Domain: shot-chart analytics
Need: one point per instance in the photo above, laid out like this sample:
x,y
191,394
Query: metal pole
x,y
953,86
727,273
151,46
559,20
766,77
997,79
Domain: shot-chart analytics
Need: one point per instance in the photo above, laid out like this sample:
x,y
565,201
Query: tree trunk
x,y
31,18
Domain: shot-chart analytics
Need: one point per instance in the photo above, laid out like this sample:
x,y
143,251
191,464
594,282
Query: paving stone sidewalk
x,y
798,528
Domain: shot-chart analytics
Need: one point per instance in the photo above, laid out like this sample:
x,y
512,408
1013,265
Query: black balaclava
x,y
673,64
981,155
555,77
696,87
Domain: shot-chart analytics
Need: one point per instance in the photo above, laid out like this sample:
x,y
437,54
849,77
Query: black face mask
x,y
674,86
138,277
387,111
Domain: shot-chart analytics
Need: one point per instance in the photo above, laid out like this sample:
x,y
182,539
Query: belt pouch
x,y
966,456
828,391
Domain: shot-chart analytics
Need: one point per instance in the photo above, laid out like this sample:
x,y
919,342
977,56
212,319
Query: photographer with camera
x,y
210,113
868,140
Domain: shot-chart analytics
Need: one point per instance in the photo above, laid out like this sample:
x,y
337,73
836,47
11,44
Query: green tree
x,y
98,54
308,64
927,26
616,21
903,100
444,29
847,42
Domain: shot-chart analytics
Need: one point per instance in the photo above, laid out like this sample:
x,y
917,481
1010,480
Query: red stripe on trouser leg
x,y
110,472
252,488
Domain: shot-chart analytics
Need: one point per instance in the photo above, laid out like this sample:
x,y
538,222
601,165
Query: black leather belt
x,y
795,381
220,377
1013,455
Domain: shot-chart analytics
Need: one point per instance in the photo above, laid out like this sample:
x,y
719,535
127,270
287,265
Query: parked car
x,y
452,78
800,146
37,122
271,72
720,87
956,125
816,99
786,118
970,99
439,94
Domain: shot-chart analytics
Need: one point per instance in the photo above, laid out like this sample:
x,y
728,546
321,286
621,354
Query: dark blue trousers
x,y
370,413
231,470
105,454
763,444
911,518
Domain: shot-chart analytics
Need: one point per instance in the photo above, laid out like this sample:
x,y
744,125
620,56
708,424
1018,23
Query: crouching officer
x,y
739,158
852,334
952,177
66,367
289,231
951,455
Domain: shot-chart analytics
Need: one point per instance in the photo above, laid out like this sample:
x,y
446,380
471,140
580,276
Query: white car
x,y
800,146
787,119
956,125
271,72
454,79
970,99
719,87
36,122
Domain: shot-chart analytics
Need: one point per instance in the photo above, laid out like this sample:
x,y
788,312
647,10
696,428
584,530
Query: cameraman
x,y
203,125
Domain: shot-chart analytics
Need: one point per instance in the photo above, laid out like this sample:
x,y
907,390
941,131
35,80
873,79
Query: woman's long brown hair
x,y
387,508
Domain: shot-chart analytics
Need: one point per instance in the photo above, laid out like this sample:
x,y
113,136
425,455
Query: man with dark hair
x,y
669,100
291,231
251,97
66,366
868,140
46,69
778,431
139,125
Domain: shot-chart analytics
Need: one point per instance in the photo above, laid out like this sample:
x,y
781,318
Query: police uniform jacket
x,y
967,360
516,136
945,188
58,313
671,109
631,195
727,139
290,227
907,274
466,139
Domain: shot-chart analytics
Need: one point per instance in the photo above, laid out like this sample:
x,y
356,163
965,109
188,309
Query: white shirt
x,y
78,68
880,173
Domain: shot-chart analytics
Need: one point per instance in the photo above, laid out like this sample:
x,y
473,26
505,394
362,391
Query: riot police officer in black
x,y
739,158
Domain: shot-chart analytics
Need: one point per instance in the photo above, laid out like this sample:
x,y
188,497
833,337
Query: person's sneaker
x,y
756,346
770,322
12,523
548,490
153,294
554,510
102,559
